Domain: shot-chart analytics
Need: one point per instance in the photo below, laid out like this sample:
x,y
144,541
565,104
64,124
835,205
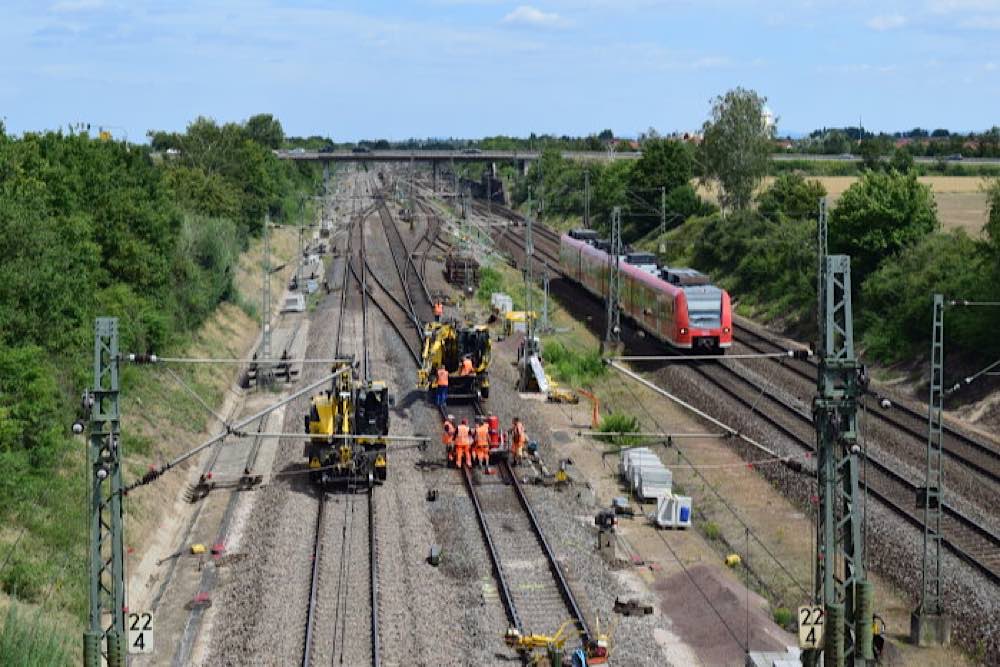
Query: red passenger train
x,y
677,306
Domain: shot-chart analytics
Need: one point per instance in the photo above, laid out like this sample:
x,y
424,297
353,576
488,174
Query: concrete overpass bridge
x,y
435,157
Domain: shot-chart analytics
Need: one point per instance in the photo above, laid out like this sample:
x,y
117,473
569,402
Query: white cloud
x,y
526,15
887,22
71,6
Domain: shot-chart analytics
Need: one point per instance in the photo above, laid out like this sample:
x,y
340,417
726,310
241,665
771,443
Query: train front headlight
x,y
725,329
684,331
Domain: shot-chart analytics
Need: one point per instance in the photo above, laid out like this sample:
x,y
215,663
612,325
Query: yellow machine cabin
x,y
347,425
446,344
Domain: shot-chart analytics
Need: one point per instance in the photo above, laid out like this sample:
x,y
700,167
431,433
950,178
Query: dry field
x,y
960,199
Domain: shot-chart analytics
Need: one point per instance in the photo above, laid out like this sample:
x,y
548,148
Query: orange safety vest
x,y
519,436
439,309
448,437
467,367
462,440
482,436
442,376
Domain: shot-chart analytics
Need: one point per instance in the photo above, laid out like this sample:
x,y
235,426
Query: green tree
x,y
896,318
879,215
266,130
737,146
836,143
991,231
901,161
872,151
664,167
791,196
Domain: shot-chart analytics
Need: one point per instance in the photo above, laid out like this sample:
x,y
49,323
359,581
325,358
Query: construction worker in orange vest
x,y
462,444
518,439
438,310
441,398
466,368
482,449
448,437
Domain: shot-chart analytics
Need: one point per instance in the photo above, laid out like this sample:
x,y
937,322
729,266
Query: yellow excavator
x,y
347,426
446,344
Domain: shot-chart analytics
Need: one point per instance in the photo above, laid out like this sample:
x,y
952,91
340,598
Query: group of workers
x,y
466,445
465,368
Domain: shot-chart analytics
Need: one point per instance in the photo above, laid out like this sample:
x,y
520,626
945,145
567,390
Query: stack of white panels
x,y
645,474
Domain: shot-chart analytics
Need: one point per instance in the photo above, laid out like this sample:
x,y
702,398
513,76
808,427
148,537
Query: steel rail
x,y
908,487
385,214
374,585
890,419
314,582
564,588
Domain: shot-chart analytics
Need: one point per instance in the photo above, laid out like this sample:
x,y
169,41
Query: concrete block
x,y
930,629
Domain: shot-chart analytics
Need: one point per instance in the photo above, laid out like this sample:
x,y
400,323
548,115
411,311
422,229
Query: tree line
x,y
91,227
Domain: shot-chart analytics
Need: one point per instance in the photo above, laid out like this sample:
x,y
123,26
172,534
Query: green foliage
x,y
901,161
683,202
490,281
619,422
872,151
575,369
664,166
836,143
879,215
991,231
266,130
783,616
30,641
761,261
896,318
92,228
737,146
711,530
791,196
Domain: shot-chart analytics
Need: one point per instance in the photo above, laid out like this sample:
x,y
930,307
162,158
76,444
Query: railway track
x,y
533,588
965,450
965,537
343,541
536,595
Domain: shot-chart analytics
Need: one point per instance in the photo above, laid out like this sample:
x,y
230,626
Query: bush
x,y
791,196
784,617
711,530
896,318
490,281
619,422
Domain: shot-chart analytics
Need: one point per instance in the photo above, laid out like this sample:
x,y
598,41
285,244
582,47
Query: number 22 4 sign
x,y
811,626
140,633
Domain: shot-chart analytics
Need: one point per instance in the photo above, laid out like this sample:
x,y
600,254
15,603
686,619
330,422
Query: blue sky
x,y
474,67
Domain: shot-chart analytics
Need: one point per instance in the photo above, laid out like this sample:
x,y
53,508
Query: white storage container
x,y
654,483
673,512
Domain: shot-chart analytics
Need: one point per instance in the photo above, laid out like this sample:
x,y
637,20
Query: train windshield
x,y
704,308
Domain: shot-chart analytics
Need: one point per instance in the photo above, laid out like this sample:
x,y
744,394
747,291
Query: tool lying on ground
x,y
632,608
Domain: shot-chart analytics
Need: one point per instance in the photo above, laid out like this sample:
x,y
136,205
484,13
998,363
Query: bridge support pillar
x,y
434,176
